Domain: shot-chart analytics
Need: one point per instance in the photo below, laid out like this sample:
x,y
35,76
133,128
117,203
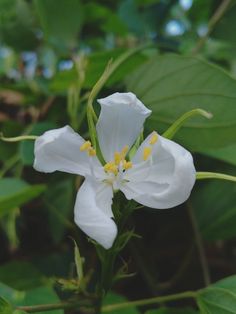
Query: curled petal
x,y
164,180
93,212
120,122
59,149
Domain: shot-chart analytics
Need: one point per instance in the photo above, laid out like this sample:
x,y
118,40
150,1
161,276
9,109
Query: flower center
x,y
119,163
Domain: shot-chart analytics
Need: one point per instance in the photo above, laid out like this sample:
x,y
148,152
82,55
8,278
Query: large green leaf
x,y
227,154
34,296
219,298
60,20
215,210
171,85
15,192
41,295
5,307
20,276
17,25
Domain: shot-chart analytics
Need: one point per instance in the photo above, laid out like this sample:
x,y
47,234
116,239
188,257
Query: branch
x,y
200,246
211,25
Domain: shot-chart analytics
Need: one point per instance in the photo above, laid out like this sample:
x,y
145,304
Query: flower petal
x,y
93,212
120,122
163,181
59,149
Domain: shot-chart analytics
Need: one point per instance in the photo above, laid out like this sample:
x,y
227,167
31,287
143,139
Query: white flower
x,y
160,175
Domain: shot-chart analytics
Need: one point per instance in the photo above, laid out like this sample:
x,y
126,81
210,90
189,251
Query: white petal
x,y
165,180
59,149
93,212
120,122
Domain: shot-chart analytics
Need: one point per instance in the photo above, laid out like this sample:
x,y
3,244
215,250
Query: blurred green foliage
x,y
42,43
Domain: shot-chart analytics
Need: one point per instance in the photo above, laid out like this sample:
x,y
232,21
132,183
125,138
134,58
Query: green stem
x,y
200,245
17,138
52,307
212,23
9,164
155,300
214,175
109,308
169,133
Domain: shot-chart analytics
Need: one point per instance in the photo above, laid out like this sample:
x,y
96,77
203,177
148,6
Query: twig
x,y
111,307
155,300
200,246
212,23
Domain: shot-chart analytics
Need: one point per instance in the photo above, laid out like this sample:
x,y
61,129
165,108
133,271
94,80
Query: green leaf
x,y
215,209
165,310
227,154
15,192
58,200
5,307
27,147
171,85
20,276
16,25
41,295
113,298
34,296
61,21
219,298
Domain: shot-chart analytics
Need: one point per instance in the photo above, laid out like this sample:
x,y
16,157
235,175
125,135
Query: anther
x,y
127,164
111,167
147,152
124,151
85,146
117,158
153,138
91,152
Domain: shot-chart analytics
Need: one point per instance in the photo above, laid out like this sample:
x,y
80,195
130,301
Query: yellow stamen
x,y
153,138
146,152
92,152
85,146
124,151
127,164
117,158
111,167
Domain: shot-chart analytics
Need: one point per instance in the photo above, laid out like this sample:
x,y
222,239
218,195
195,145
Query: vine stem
x,y
214,175
111,307
155,300
213,21
200,246
52,307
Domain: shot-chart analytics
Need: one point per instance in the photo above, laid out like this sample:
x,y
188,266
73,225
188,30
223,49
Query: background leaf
x,y
15,192
5,307
21,276
172,85
60,20
215,209
219,298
